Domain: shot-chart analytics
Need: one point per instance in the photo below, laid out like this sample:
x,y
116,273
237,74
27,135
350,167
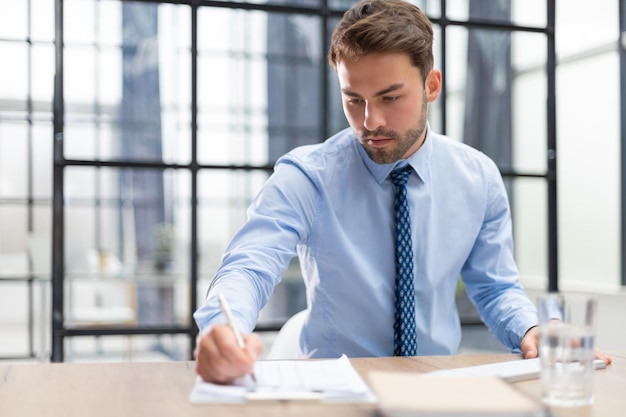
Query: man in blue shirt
x,y
332,204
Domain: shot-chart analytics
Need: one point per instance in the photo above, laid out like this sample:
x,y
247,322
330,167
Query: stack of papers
x,y
328,380
411,394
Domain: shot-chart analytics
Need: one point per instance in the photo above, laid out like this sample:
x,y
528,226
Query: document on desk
x,y
326,380
403,394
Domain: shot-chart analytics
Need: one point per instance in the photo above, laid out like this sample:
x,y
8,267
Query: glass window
x,y
41,175
261,88
430,7
79,30
13,239
224,197
42,79
79,78
519,12
25,175
262,98
14,159
14,20
123,211
41,19
530,228
301,3
589,170
497,94
109,18
17,344
131,93
126,348
17,72
581,29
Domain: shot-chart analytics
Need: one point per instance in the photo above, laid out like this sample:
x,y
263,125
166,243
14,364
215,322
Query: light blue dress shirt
x,y
331,205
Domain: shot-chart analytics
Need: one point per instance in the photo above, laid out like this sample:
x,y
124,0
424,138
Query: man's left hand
x,y
530,346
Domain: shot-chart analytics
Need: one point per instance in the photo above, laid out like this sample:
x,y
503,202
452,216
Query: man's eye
x,y
390,98
355,101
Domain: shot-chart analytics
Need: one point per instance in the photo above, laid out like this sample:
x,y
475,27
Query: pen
x,y
229,318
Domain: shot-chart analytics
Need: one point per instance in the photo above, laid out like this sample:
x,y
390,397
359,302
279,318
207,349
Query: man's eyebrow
x,y
389,89
384,91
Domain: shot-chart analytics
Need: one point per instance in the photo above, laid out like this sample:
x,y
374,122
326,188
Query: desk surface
x,y
162,389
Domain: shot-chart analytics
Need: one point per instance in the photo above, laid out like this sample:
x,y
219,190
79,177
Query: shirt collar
x,y
420,161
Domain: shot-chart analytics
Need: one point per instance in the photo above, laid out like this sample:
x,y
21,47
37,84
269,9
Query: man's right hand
x,y
219,359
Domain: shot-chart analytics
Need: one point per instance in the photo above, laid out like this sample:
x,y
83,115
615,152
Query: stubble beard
x,y
402,143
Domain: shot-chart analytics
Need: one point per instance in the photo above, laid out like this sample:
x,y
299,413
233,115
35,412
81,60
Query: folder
x,y
324,380
402,394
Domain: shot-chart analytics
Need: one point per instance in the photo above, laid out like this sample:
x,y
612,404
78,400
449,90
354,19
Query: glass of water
x,y
567,327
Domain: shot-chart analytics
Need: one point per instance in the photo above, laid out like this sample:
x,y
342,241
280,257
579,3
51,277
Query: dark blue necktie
x,y
404,334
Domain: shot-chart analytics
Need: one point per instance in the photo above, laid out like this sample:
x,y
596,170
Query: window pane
x,y
17,72
40,241
109,80
589,172
43,75
13,330
529,207
175,82
499,110
13,20
42,160
127,348
127,211
80,138
529,102
302,3
127,243
519,12
134,97
13,241
257,105
429,7
138,298
79,22
14,160
42,19
601,19
79,65
224,197
109,16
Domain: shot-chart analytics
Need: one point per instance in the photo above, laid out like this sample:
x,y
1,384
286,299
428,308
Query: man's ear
x,y
433,85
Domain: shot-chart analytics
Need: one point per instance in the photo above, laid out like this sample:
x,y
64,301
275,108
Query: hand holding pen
x,y
229,318
219,355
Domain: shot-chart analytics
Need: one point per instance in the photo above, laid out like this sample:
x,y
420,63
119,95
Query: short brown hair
x,y
383,26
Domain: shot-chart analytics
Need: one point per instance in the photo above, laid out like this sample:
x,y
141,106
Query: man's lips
x,y
378,142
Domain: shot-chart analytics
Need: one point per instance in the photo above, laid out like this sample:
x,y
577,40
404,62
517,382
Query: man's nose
x,y
374,118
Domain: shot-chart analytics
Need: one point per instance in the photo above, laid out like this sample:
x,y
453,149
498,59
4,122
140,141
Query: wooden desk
x,y
162,389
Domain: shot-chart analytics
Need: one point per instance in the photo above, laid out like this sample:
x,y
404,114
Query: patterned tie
x,y
404,334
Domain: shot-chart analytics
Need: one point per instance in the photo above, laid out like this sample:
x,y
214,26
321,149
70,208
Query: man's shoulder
x,y
444,146
456,146
333,150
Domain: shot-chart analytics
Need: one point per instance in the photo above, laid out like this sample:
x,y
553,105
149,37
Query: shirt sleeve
x,y
279,219
490,273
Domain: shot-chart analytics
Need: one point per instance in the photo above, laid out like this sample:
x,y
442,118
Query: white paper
x,y
328,380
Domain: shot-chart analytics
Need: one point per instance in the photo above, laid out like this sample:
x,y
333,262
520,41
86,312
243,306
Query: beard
x,y
402,143
392,154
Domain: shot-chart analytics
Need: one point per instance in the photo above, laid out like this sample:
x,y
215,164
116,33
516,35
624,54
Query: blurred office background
x,y
131,148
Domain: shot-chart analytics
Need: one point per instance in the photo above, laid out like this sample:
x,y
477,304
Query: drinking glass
x,y
567,327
